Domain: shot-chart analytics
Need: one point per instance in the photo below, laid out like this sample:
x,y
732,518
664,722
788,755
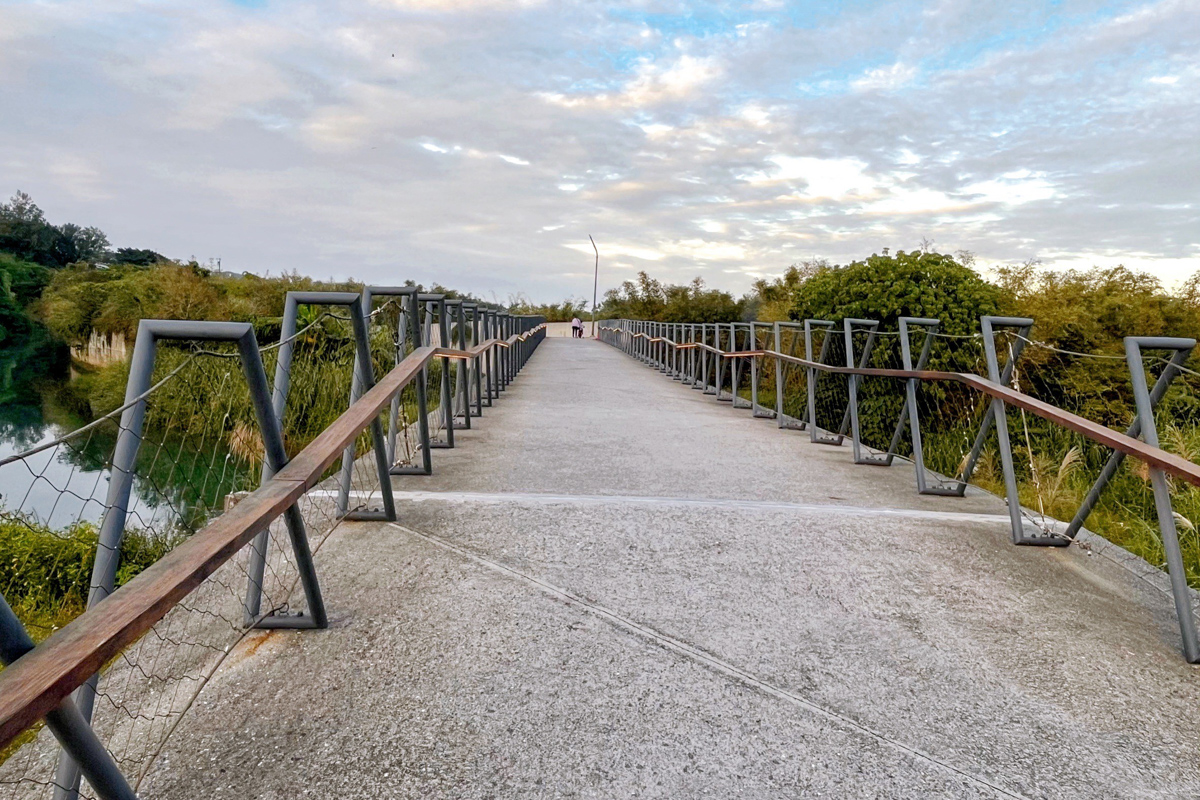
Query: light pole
x,y
595,284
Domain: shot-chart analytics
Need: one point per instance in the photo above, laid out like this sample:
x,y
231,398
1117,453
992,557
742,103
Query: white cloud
x,y
610,249
915,201
337,138
823,177
1013,188
653,83
888,78
656,130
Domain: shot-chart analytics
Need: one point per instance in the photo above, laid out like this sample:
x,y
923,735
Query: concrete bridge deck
x,y
617,587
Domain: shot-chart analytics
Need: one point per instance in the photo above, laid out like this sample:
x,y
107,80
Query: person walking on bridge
x,y
576,328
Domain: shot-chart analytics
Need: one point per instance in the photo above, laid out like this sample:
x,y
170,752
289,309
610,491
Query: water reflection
x,y
175,486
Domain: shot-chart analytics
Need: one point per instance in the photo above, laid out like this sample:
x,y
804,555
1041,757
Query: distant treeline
x,y
68,278
1085,311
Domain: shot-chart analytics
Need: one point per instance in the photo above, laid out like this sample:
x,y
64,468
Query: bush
x,y
886,288
48,572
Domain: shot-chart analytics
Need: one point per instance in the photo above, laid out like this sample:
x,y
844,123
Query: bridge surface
x,y
617,587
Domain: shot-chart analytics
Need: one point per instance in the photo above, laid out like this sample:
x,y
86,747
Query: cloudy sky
x,y
479,142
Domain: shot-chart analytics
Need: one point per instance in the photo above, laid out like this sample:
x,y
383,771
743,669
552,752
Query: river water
x,y
66,483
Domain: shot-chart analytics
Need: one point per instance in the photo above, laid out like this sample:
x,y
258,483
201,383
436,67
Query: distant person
x,y
576,328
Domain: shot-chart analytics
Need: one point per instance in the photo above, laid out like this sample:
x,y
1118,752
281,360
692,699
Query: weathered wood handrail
x,y
1154,456
40,680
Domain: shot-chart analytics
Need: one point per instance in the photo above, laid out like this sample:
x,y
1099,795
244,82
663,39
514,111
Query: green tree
x,y
772,299
888,287
1090,312
25,233
130,255
648,298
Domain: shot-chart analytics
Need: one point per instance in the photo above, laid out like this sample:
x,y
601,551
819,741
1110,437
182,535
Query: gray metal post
x,y
872,327
436,304
477,361
72,731
777,334
361,382
112,527
759,410
815,432
998,415
502,318
1023,325
506,356
489,332
423,437
680,353
784,420
461,402
738,368
409,327
722,362
910,409
256,568
694,357
1162,492
1170,371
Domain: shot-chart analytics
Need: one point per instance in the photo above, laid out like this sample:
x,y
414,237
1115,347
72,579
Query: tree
x,y
25,233
1091,312
79,244
130,255
888,287
773,298
648,298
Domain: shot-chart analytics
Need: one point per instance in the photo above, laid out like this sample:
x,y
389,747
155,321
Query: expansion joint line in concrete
x,y
535,498
708,660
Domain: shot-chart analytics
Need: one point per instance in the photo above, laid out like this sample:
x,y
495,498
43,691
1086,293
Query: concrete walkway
x,y
617,587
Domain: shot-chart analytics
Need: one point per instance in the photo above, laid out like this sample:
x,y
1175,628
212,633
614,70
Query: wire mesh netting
x,y
1054,467
956,425
200,452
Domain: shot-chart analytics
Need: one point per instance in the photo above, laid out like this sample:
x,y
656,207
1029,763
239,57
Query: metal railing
x,y
234,572
857,382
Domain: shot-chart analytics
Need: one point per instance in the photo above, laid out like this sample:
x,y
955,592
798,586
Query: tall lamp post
x,y
595,284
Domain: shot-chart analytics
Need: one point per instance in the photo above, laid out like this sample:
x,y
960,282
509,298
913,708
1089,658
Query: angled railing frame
x,y
817,434
38,681
930,327
113,524
279,393
434,306
738,366
75,736
1160,462
757,408
782,419
408,328
850,326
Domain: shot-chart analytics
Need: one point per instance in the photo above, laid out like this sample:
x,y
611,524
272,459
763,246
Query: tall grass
x,y
47,572
1054,467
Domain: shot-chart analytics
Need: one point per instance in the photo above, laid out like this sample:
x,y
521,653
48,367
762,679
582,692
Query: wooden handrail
x,y
1154,456
38,681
